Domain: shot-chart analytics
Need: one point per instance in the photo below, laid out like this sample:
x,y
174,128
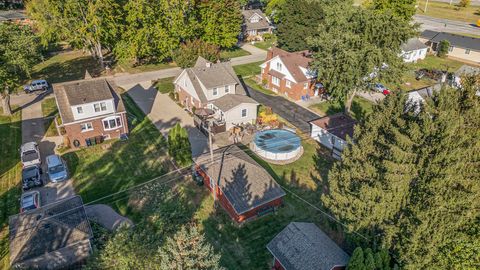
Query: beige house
x,y
215,95
255,24
461,47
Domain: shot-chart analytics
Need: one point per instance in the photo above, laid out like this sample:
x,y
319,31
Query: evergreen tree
x,y
221,22
356,262
188,250
443,48
369,261
410,179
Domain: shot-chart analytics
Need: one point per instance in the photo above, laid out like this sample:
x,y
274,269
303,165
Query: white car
x,y
30,154
29,201
36,85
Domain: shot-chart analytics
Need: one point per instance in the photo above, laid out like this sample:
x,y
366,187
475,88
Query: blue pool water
x,y
277,141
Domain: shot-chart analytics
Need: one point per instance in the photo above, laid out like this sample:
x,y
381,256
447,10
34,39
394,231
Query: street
x,y
444,25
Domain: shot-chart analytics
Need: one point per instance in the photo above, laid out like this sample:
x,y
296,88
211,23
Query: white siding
x,y
283,70
414,56
327,139
89,111
185,83
220,92
234,116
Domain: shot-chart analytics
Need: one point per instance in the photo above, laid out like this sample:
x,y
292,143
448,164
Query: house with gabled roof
x,y
413,50
214,88
255,24
289,74
55,236
303,246
461,47
91,111
243,187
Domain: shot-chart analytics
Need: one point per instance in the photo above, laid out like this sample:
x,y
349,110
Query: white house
x,y
216,92
331,131
464,70
413,50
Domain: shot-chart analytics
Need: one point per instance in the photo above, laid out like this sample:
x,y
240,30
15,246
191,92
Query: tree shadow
x,y
359,113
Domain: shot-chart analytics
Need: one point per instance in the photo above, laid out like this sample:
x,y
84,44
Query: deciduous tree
x,y
221,22
443,48
401,8
189,52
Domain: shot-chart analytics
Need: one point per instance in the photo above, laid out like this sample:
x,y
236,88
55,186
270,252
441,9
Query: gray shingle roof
x,y
230,101
262,24
303,246
455,40
214,76
39,234
84,91
245,183
413,44
467,70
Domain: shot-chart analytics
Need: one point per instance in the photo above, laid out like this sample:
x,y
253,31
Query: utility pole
x,y
426,6
210,145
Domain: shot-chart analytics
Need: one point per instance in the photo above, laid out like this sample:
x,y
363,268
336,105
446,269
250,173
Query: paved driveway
x,y
33,130
290,111
164,113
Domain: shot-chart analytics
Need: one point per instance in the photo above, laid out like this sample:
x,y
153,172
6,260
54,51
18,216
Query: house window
x,y
276,81
279,66
79,110
450,49
244,113
86,127
227,89
215,91
100,107
467,51
288,84
113,122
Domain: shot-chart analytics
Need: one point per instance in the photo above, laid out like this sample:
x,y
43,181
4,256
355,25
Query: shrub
x,y
268,36
443,47
188,53
464,3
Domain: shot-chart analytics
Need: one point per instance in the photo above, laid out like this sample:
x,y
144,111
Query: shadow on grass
x,y
68,70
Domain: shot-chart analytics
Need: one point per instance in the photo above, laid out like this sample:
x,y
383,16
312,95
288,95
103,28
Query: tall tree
x,y
221,22
85,24
355,46
409,181
404,9
297,20
19,51
187,249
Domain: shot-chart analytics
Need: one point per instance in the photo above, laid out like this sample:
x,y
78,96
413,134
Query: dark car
x,y
31,177
29,201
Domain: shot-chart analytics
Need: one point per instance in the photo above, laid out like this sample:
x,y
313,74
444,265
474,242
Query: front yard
x,y
10,175
226,54
248,70
50,111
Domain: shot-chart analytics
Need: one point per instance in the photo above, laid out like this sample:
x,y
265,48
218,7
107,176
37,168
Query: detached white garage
x,y
331,131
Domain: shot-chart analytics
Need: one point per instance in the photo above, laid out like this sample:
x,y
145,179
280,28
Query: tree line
x,y
137,31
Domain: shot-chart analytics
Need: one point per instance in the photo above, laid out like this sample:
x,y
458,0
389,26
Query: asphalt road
x,y
444,25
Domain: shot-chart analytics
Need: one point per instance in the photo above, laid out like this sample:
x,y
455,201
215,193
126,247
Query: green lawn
x,y
232,53
253,84
265,45
248,70
360,108
117,165
123,67
451,12
165,85
10,175
50,111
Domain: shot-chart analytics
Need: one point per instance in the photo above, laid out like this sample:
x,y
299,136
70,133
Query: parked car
x,y
56,168
36,86
31,177
381,88
29,201
30,154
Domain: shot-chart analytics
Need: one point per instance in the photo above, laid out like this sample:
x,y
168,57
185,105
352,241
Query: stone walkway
x,y
106,216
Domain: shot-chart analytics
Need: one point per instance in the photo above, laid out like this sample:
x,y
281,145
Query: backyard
x,y
10,174
361,108
50,111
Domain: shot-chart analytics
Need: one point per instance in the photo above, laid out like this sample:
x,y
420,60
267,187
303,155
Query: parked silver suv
x,y
36,86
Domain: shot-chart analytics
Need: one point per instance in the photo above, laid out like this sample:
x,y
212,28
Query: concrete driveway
x,y
33,130
165,113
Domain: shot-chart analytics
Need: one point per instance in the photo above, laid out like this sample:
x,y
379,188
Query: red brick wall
x,y
182,95
296,90
277,265
228,207
74,131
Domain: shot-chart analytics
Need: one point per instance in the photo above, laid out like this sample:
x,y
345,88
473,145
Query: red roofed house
x,y
243,187
289,74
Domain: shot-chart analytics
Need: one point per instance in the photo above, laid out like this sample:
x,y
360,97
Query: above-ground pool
x,y
277,145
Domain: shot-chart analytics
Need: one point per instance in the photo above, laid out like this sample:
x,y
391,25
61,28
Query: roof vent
x,y
208,64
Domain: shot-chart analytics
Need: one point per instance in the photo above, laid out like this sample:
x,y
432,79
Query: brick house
x,y
217,88
244,188
288,74
303,246
91,111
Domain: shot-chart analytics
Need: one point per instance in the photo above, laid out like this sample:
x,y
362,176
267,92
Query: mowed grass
x,y
361,108
452,12
118,165
132,69
248,70
10,175
265,45
232,53
50,111
165,85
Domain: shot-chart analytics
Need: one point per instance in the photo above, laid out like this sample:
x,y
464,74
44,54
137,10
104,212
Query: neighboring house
x,y
55,236
255,24
464,70
243,187
461,47
303,246
331,131
413,50
419,96
217,88
288,74
91,111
